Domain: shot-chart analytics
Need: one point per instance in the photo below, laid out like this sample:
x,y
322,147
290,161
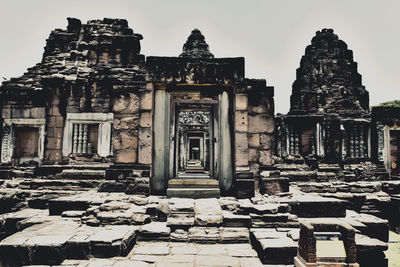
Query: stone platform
x,y
91,228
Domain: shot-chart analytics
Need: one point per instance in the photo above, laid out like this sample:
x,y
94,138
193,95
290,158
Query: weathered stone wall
x,y
145,125
55,128
260,125
125,128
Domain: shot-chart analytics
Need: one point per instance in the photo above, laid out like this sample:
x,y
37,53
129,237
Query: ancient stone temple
x,y
329,123
161,122
113,158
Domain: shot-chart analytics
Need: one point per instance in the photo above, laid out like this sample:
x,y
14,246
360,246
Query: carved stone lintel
x,y
194,118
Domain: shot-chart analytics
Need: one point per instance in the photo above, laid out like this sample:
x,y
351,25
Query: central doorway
x,y
193,140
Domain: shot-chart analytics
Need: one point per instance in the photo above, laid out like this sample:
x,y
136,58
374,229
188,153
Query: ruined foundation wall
x,y
261,125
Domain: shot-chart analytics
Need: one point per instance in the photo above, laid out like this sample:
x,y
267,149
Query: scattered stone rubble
x,y
84,226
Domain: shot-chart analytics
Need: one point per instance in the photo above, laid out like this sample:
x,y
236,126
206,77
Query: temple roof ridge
x,y
196,46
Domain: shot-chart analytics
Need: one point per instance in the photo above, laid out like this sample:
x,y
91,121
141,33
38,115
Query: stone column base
x,y
244,184
300,262
274,185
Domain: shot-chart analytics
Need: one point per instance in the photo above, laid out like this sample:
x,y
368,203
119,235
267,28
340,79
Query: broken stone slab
x,y
265,209
313,206
180,220
138,200
112,241
204,234
375,226
155,230
114,217
58,205
229,203
151,248
266,233
234,234
277,251
73,213
245,206
162,210
208,219
207,212
179,235
140,219
221,260
16,221
370,251
240,250
181,205
235,220
78,246
115,205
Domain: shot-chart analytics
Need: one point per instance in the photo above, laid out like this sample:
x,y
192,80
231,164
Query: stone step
x,y
185,183
193,192
82,174
323,167
300,175
59,184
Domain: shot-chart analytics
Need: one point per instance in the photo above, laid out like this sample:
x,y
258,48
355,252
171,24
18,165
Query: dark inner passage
x,y
26,141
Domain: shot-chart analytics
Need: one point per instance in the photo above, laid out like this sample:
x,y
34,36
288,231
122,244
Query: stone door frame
x,y
8,137
162,152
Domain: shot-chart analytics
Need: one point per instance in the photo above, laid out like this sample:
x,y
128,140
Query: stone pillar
x,y
161,143
244,178
225,144
145,134
344,145
319,141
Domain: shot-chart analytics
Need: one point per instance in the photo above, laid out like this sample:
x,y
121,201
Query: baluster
x,y
296,143
80,138
291,141
85,138
75,139
351,143
356,142
362,149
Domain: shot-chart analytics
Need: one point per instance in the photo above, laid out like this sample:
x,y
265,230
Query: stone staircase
x,y
193,187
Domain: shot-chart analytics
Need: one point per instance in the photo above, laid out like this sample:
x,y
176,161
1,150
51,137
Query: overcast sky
x,y
271,35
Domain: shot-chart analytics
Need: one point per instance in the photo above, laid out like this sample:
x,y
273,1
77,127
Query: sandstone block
x,y
6,113
146,100
241,102
126,123
254,140
126,104
266,157
266,141
265,105
125,156
254,155
261,124
241,120
145,136
145,155
145,119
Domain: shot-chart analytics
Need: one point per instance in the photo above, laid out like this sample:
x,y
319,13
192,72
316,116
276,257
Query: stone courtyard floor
x,y
44,226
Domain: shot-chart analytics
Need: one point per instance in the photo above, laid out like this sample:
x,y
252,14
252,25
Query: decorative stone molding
x,y
76,141
8,138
